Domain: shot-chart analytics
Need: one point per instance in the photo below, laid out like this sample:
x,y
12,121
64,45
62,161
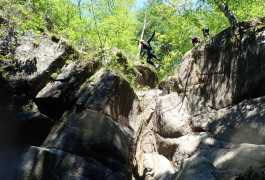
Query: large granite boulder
x,y
149,163
206,123
32,128
24,128
223,82
91,133
173,116
28,61
215,129
227,68
61,93
242,123
216,159
110,94
97,129
170,84
145,76
35,58
43,163
141,74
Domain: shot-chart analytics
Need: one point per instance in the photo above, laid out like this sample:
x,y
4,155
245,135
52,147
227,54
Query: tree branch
x,y
229,14
142,35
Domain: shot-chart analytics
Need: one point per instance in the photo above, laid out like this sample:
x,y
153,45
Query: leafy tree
x,y
246,9
92,25
173,21
238,10
224,7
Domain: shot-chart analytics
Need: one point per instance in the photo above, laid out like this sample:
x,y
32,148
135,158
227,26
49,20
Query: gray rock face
x,y
242,123
8,39
149,156
42,163
199,168
146,77
87,132
108,93
96,132
32,128
218,132
227,69
171,84
36,58
21,129
61,93
173,116
218,74
143,74
206,123
99,126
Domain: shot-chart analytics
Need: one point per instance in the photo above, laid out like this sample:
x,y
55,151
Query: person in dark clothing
x,y
195,40
205,32
147,48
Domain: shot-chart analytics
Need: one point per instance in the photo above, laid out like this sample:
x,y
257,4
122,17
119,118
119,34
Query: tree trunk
x,y
229,14
142,35
79,9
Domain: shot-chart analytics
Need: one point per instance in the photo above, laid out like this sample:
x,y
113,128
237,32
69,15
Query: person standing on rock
x,y
205,32
147,48
195,40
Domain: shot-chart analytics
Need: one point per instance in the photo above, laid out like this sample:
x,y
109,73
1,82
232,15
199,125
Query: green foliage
x,y
54,75
92,25
246,9
120,64
2,57
175,21
68,61
241,9
28,106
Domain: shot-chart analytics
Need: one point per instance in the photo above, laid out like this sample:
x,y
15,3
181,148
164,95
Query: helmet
x,y
141,41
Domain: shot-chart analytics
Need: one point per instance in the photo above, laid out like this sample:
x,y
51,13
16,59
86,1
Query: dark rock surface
x,y
60,93
146,77
63,118
227,68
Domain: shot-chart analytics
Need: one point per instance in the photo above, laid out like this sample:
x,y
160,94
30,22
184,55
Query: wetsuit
x,y
206,32
195,40
149,50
